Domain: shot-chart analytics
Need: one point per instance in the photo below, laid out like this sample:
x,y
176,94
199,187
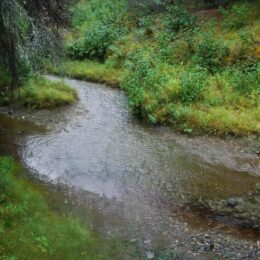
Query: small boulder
x,y
232,202
149,255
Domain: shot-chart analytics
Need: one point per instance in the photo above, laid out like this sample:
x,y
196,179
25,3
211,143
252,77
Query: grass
x,y
87,70
39,93
199,79
29,229
42,93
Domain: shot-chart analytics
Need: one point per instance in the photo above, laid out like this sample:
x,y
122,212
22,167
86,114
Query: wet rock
x,y
257,199
146,242
149,255
232,202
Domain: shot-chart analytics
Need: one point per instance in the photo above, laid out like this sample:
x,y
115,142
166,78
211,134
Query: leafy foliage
x,y
193,83
237,16
247,80
178,19
94,44
211,53
100,24
143,76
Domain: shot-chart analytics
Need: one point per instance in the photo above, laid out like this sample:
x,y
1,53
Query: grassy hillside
x,y
197,70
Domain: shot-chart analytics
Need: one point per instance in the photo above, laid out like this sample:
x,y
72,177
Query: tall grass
x,y
38,92
87,70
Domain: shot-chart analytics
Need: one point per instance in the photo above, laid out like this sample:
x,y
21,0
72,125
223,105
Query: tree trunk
x,y
13,67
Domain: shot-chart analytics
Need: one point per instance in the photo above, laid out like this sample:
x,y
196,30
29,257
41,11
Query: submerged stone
x,y
149,255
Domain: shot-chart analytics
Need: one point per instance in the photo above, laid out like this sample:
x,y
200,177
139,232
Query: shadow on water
x,y
121,177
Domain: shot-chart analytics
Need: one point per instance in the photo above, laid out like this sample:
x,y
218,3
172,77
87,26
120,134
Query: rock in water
x,y
149,255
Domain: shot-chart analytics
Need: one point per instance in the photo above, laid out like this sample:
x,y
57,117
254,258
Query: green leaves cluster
x,y
94,44
100,23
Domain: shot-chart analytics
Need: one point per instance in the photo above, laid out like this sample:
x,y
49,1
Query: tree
x,y
28,33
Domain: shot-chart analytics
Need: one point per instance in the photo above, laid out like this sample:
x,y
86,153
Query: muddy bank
x,y
137,181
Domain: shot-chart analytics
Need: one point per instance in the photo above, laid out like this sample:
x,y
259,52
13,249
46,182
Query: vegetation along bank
x,y
191,67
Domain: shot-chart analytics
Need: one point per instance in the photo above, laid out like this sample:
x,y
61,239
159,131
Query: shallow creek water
x,y
125,178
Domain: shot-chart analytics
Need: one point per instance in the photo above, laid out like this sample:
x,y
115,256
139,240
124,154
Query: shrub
x,y
193,83
99,23
165,47
246,80
146,24
237,16
211,53
246,51
107,12
142,79
94,44
178,19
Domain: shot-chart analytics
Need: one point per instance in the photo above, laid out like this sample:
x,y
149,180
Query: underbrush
x,y
30,230
198,75
99,24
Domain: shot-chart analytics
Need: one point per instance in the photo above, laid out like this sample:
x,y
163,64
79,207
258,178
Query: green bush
x,y
210,53
107,12
237,16
246,80
178,19
94,44
193,83
145,25
143,77
100,23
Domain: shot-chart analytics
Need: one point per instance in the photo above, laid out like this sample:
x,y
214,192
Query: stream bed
x,y
130,180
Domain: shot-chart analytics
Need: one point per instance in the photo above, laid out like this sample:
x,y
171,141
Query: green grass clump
x,y
42,93
36,92
30,230
87,70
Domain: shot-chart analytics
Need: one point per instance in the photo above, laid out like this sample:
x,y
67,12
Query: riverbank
x,y
36,92
183,173
30,229
199,75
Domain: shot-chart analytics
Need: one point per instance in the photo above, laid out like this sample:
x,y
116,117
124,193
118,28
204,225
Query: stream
x,y
127,179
